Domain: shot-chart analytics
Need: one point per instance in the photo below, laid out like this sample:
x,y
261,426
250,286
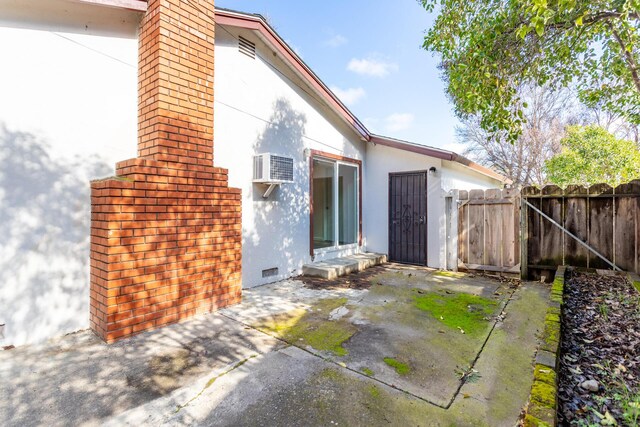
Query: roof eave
x,y
438,153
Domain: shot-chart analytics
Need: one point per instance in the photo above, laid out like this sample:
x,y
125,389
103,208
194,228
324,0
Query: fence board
x,y
575,220
535,234
551,237
463,231
476,229
601,225
493,233
510,215
624,233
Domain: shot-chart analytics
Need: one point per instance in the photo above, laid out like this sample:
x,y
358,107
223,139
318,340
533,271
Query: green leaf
x,y
489,36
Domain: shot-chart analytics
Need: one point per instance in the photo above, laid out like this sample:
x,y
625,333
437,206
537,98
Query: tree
x,y
488,48
612,122
591,155
546,116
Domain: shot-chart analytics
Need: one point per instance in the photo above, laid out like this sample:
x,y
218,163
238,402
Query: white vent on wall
x,y
247,47
270,272
272,169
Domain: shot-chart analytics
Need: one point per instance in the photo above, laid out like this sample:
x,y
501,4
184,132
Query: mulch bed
x,y
599,376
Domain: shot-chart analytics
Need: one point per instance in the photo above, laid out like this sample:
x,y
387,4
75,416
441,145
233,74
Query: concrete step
x,y
336,267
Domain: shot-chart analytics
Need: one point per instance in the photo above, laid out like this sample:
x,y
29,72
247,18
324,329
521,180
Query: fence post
x,y
524,239
451,209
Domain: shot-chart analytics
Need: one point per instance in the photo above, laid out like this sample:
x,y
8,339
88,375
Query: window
x,y
335,203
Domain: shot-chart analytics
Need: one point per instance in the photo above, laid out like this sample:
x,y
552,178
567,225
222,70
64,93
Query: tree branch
x,y
633,67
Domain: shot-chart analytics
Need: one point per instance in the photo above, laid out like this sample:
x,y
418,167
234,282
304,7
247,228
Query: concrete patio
x,y
405,346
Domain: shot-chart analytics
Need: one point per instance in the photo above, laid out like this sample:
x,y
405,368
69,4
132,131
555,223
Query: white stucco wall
x,y
380,161
262,107
67,114
456,176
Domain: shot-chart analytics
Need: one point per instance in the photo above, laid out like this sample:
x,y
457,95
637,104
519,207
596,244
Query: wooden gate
x,y
408,217
488,230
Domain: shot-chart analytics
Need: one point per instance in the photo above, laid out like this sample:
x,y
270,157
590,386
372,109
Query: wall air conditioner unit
x,y
273,170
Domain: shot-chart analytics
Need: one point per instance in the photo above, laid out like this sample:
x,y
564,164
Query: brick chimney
x,y
166,230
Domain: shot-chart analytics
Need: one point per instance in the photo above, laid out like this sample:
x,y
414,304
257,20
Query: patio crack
x,y
462,382
475,360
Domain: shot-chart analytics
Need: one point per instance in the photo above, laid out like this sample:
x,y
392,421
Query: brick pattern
x,y
166,231
175,81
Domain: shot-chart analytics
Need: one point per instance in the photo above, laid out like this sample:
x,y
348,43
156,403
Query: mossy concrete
x,y
259,380
368,372
469,314
506,362
544,374
551,334
531,421
414,330
312,327
401,368
543,394
634,279
541,410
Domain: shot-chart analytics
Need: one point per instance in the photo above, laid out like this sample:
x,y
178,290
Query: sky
x,y
369,53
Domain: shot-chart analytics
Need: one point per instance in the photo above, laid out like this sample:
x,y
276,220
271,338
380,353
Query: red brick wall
x,y
166,231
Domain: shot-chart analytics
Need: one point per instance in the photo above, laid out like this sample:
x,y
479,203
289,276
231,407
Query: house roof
x,y
260,25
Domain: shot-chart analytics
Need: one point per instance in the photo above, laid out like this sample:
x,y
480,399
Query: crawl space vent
x,y
247,47
270,272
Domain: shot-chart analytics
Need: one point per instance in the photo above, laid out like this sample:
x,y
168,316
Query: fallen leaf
x,y
608,420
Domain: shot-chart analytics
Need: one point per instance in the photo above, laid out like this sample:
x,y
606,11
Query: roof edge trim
x,y
438,154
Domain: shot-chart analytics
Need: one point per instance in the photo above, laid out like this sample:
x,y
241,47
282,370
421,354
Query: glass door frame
x,y
336,160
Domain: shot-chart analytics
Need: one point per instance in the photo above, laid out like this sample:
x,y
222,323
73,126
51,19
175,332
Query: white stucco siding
x,y
67,114
459,177
262,107
380,161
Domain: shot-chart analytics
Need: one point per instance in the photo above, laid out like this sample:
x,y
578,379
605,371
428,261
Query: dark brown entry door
x,y
408,217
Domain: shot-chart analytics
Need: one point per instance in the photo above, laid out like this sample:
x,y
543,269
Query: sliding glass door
x,y
347,204
323,204
335,203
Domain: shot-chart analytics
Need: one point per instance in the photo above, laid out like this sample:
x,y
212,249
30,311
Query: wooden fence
x,y
488,225
604,218
497,230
